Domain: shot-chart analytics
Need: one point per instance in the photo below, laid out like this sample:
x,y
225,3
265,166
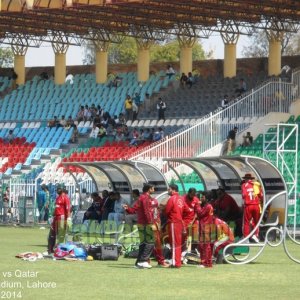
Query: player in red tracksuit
x,y
174,211
224,237
252,199
206,226
158,253
192,205
146,210
59,224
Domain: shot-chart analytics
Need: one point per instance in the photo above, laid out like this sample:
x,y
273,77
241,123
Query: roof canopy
x,y
152,19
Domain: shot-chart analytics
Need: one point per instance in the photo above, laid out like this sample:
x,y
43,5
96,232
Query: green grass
x,y
272,276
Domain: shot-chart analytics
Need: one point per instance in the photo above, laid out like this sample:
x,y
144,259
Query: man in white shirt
x,y
94,132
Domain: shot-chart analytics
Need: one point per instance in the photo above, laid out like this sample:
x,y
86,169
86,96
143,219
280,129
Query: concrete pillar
x,y
60,68
143,64
101,66
186,59
229,60
274,60
19,67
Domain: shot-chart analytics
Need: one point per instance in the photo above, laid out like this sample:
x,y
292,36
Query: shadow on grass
x,y
44,246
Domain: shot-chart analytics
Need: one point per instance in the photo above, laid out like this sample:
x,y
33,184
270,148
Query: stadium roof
x,y
39,20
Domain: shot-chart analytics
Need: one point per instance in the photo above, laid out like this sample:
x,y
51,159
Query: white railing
x,y
274,95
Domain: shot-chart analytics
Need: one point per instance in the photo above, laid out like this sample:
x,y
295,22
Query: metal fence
x,y
274,95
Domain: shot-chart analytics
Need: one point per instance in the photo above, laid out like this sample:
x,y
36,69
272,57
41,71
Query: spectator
x,y
53,123
134,139
6,200
224,102
94,132
247,140
183,80
108,204
80,114
231,140
135,111
137,99
102,132
75,202
242,87
70,122
10,137
158,134
62,122
190,80
69,79
75,134
128,107
14,77
170,71
147,135
161,108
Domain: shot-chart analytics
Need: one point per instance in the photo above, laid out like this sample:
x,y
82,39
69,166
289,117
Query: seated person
x,y
247,139
183,80
224,236
94,212
94,132
10,137
108,204
134,139
101,132
53,122
118,215
130,215
227,209
170,71
190,80
75,134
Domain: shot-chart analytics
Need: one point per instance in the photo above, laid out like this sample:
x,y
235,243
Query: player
x,y
174,211
60,216
252,196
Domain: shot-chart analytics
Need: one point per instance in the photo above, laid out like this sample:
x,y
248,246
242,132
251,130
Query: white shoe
x,y
144,265
255,238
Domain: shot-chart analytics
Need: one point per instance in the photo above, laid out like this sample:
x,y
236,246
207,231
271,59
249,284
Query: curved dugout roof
x,y
227,172
123,176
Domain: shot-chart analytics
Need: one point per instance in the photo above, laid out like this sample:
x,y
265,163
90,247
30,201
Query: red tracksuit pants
x,y
175,237
158,253
205,244
251,217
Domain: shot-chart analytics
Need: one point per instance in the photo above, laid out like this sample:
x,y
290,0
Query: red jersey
x,y
206,214
250,198
174,209
223,229
190,210
227,203
62,206
146,209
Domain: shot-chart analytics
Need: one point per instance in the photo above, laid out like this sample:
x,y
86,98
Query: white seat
x,y
167,122
152,123
186,122
81,124
7,125
160,123
179,122
141,123
13,125
1,125
87,124
37,125
134,123
128,123
147,123
173,122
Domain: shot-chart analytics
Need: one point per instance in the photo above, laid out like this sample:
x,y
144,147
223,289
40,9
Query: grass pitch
x,y
272,276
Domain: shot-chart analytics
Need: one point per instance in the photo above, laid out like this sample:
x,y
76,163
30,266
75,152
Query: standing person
x,y
60,216
224,102
5,199
205,215
128,107
47,202
231,140
192,206
174,211
158,253
161,107
252,196
145,222
75,202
